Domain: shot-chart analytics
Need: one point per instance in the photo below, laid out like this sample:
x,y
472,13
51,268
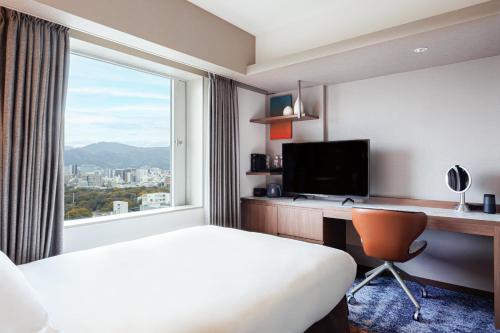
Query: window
x,y
117,155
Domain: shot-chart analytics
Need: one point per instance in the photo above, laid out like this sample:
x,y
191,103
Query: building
x,y
108,173
141,175
154,200
120,207
126,175
94,179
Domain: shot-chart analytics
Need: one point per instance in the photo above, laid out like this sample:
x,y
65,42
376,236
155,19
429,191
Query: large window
x,y
117,140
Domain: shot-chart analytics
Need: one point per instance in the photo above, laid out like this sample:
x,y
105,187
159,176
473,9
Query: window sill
x,y
113,218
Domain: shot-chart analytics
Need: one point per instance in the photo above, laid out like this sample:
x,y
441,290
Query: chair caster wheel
x,y
416,315
424,293
351,300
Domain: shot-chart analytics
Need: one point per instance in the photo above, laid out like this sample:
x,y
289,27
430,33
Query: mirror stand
x,y
458,180
462,206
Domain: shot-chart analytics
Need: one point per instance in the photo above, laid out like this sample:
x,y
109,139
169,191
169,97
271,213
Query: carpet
x,y
383,307
355,329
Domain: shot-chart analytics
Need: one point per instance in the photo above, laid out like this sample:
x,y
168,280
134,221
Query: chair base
x,y
396,272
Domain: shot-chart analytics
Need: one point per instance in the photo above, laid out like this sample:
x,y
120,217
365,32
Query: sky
x,y
107,102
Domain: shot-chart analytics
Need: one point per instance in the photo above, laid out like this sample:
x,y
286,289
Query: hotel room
x,y
210,166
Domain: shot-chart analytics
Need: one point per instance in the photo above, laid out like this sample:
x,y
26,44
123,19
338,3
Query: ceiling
x,y
469,40
453,31
284,27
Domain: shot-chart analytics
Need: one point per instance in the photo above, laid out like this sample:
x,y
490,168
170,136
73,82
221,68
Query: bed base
x,y
334,322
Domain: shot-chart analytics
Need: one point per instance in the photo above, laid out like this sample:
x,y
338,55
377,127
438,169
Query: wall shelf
x,y
279,119
264,173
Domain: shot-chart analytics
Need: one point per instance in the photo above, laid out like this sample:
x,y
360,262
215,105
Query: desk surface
x,y
336,205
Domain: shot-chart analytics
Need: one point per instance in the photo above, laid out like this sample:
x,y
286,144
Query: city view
x,y
117,140
101,180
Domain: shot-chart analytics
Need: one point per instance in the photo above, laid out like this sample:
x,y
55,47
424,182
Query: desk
x,y
309,220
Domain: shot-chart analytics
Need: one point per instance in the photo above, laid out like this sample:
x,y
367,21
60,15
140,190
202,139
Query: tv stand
x,y
295,197
346,200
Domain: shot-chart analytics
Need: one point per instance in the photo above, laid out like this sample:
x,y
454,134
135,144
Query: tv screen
x,y
336,168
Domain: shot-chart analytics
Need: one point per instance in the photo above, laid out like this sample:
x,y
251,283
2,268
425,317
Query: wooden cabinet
x,y
290,221
300,222
259,218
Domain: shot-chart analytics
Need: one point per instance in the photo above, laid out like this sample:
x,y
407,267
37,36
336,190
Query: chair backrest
x,y
388,234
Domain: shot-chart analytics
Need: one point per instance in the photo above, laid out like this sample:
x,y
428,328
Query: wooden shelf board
x,y
278,119
263,173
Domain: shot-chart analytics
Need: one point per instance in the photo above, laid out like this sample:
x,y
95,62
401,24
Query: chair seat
x,y
417,247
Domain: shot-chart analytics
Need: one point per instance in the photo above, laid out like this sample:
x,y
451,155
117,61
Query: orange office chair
x,y
389,236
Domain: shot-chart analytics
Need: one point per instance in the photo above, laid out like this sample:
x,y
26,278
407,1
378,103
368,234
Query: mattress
x,y
200,279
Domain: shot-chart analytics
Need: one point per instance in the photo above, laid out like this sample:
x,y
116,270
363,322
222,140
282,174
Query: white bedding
x,y
201,279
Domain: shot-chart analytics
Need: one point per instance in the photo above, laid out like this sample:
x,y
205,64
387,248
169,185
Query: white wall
x,y
252,137
420,123
128,228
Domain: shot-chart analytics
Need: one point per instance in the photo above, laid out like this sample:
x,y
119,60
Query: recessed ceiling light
x,y
421,49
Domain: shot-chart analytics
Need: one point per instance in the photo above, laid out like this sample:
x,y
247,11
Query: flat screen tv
x,y
335,168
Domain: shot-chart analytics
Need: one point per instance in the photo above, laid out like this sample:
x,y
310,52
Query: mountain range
x,y
118,155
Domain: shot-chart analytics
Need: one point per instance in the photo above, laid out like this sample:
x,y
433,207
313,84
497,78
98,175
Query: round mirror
x,y
458,180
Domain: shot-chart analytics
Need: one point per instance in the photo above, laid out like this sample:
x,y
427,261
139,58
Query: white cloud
x,y
78,119
136,129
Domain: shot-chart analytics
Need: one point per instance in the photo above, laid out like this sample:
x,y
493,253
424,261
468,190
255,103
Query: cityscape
x,y
97,190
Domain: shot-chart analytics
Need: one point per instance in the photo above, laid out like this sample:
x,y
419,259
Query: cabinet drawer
x,y
299,222
259,218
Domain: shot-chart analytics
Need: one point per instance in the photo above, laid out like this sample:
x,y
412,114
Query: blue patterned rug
x,y
383,307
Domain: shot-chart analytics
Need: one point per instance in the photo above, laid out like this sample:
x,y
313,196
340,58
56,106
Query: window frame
x,y
177,126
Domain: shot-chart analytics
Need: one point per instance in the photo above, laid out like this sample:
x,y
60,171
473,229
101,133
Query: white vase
x,y
287,111
296,109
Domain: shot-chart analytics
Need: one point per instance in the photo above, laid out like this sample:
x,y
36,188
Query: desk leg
x,y
496,278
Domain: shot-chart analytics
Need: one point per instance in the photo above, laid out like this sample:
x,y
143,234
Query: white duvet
x,y
201,279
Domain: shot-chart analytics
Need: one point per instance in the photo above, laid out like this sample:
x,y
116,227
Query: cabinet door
x,y
300,222
259,218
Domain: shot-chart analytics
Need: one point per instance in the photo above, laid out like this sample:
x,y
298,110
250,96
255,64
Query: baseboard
x,y
363,269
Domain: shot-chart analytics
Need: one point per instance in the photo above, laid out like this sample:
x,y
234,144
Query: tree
x,y
79,212
88,200
107,207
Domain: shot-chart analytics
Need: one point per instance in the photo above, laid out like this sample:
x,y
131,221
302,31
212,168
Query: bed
x,y
200,279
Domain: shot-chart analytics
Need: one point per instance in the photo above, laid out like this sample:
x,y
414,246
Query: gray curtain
x,y
34,60
224,153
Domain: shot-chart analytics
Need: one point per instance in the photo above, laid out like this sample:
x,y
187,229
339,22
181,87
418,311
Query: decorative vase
x,y
287,111
296,109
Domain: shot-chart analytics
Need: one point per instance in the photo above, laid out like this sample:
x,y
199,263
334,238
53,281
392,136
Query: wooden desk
x,y
309,220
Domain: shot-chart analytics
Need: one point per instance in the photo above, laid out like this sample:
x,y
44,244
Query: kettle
x,y
274,190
